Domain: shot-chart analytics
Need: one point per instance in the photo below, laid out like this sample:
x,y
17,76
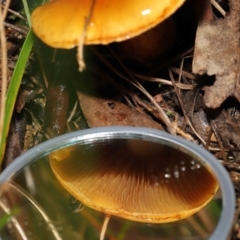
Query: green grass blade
x,y
27,12
7,216
13,89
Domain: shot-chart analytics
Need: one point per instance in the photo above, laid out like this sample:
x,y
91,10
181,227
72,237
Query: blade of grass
x,y
27,12
15,83
123,231
9,213
13,89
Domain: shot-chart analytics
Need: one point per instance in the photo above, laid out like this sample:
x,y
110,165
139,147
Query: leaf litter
x,y
217,52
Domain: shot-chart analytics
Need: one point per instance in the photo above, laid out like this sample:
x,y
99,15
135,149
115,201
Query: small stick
x,y
19,29
4,76
218,137
183,110
218,7
14,12
104,227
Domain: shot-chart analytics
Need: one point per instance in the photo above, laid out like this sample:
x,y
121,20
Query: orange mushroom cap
x,y
60,23
135,180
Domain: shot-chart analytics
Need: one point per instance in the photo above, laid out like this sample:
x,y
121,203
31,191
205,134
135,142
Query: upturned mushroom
x,y
136,180
69,23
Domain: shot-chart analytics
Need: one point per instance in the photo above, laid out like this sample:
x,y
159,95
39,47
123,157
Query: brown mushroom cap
x,y
60,23
136,180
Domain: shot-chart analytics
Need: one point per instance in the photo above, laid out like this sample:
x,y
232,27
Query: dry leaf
x,y
101,112
217,52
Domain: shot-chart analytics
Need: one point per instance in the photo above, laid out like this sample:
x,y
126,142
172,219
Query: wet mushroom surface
x,y
60,23
135,179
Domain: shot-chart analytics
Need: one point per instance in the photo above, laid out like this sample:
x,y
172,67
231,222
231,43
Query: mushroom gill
x,y
135,179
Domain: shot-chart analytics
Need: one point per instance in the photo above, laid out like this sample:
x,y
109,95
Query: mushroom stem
x,y
80,57
104,227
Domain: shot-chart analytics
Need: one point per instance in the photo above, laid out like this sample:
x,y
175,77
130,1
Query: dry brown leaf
x,y
217,52
101,112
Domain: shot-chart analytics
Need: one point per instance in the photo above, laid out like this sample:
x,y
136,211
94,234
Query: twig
x,y
184,73
184,112
214,128
4,69
72,112
139,86
136,84
218,7
172,60
163,115
20,30
35,204
14,12
14,221
164,81
146,106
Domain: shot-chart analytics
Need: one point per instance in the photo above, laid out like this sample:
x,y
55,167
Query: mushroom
x,y
69,23
151,44
60,23
138,180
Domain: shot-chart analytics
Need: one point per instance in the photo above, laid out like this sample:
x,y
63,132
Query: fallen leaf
x,y
101,112
217,52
